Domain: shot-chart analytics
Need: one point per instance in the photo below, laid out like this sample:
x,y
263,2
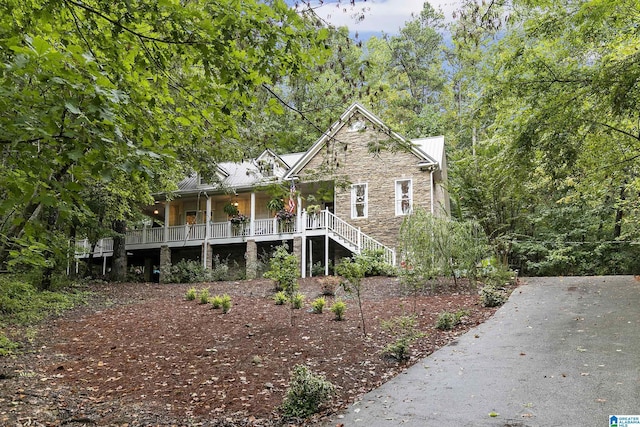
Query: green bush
x,y
374,263
204,296
338,308
284,271
216,301
188,271
220,269
307,392
492,296
317,305
7,347
297,300
191,294
447,320
225,303
280,298
23,303
404,329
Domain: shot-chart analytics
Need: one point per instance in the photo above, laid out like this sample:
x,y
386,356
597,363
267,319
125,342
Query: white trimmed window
x,y
404,196
359,201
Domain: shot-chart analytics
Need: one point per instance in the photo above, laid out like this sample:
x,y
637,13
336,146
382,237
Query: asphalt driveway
x,y
561,352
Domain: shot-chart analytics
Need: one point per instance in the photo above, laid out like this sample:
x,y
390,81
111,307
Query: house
x,y
350,191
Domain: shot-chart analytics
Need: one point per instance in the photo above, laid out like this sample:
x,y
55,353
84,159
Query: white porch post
x,y
252,215
207,232
326,252
303,256
310,258
299,223
166,221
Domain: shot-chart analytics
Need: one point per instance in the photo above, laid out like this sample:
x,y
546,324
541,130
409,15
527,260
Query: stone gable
x,y
359,155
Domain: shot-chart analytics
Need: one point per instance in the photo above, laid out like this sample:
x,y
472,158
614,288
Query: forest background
x,y
103,104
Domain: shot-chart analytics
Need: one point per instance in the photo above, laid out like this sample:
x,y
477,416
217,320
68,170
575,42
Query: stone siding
x,y
349,157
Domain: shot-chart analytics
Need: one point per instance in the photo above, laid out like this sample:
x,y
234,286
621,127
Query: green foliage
x,y
204,296
373,263
353,271
22,303
297,300
491,296
188,271
433,246
448,320
338,308
280,298
216,301
219,270
317,305
404,330
225,303
306,394
284,271
191,294
7,347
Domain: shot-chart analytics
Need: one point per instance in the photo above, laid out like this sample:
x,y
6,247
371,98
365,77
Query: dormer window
x,y
266,168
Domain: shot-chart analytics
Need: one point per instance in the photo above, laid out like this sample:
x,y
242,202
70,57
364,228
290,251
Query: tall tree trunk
x,y
617,229
73,260
119,260
52,219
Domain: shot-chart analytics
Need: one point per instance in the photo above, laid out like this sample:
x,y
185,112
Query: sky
x,y
386,16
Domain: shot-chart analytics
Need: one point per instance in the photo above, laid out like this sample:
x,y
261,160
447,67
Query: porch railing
x,y
346,234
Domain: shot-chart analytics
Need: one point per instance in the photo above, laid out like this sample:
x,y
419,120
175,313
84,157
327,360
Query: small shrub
x,y
204,296
191,294
492,296
374,263
404,328
297,300
225,303
338,308
307,392
7,347
318,304
329,284
284,270
447,320
219,270
216,302
188,271
280,298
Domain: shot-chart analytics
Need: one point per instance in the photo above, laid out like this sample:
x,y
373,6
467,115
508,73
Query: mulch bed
x,y
141,354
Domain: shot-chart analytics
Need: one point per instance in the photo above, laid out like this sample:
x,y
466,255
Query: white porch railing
x,y
352,238
339,230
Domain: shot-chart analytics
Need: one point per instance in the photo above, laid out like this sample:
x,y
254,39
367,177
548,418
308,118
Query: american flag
x,y
291,204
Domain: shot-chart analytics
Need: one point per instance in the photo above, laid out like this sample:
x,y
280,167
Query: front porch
x,y
303,227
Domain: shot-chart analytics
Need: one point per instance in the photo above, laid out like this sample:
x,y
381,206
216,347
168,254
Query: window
x,y
404,197
359,202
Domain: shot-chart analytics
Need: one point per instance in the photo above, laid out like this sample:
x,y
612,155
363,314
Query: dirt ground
x,y
143,355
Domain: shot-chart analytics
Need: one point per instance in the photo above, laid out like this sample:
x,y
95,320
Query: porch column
x,y
165,262
298,247
207,255
251,256
166,221
207,221
303,244
252,215
326,253
299,223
